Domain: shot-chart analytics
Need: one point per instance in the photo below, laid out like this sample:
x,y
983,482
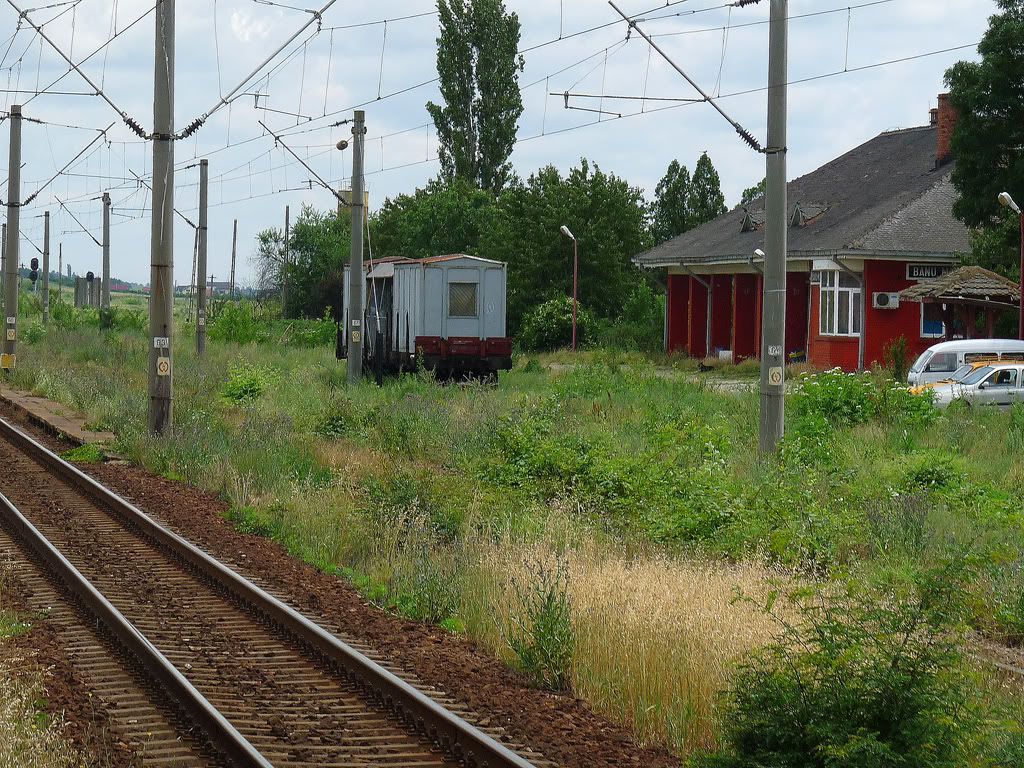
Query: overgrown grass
x,y
592,524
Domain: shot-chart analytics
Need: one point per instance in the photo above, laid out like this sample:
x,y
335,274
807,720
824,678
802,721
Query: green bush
x,y
247,382
847,399
34,333
548,326
640,326
897,358
541,634
236,321
868,678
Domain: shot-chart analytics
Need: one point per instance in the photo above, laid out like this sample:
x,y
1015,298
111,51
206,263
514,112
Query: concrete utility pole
x,y
773,318
234,251
8,357
204,172
3,261
161,274
284,265
355,271
105,286
46,267
60,269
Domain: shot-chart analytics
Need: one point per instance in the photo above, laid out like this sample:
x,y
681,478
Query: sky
x,y
352,58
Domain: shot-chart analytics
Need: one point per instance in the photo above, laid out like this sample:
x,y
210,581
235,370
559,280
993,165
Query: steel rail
x,y
463,740
218,730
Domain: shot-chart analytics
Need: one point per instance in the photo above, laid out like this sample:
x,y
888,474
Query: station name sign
x,y
927,271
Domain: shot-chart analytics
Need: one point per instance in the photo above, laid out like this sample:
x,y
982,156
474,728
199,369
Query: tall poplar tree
x,y
706,199
671,215
478,66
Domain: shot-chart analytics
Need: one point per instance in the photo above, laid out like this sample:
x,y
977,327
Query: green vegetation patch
x,y
89,453
11,625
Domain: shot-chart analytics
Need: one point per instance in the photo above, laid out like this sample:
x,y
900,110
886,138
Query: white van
x,y
939,361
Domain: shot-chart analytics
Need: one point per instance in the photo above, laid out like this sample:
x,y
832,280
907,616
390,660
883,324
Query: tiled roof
x,y
884,196
968,283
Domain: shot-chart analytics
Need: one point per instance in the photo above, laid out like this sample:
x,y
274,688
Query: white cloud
x,y
246,29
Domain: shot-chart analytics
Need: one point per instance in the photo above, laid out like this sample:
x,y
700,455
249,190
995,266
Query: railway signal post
x,y
8,356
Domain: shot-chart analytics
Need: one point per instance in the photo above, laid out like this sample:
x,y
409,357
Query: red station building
x,y
862,228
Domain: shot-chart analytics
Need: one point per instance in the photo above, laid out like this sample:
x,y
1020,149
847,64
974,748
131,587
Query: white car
x,y
999,384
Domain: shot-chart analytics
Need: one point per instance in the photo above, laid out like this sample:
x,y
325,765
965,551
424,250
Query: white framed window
x,y
932,325
462,300
840,304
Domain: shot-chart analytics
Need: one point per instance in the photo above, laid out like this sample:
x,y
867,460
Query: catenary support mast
x,y
161,290
8,357
355,284
773,319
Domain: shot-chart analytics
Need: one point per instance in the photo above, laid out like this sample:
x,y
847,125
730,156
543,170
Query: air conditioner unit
x,y
885,300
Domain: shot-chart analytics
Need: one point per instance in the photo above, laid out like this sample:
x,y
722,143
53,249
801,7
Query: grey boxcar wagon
x,y
444,312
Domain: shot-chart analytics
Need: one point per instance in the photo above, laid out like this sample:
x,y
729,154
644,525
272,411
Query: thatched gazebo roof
x,y
975,286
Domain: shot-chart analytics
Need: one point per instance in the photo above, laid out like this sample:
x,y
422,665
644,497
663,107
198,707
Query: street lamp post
x,y
1007,202
575,278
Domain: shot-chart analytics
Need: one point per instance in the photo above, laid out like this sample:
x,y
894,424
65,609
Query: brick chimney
x,y
945,117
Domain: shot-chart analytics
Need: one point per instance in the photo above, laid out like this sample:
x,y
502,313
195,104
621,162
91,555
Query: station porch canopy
x,y
969,286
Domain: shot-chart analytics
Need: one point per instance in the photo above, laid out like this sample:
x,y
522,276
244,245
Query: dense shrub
x,y
548,326
869,678
846,399
640,326
246,382
236,321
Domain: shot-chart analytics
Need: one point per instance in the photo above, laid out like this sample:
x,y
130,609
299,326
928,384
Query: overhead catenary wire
x,y
744,134
129,121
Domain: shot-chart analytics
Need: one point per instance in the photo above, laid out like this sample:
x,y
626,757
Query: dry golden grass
x,y
657,638
29,737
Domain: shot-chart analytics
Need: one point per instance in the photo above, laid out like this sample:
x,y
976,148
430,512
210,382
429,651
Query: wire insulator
x,y
191,128
748,137
136,128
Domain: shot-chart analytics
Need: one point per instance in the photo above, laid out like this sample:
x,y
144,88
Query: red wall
x,y
796,311
678,312
745,317
886,325
883,325
721,311
830,351
697,346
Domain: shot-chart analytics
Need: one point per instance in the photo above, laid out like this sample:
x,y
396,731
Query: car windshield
x,y
961,373
979,375
920,363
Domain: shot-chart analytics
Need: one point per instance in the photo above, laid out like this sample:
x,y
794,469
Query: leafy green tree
x,y
706,201
479,70
320,249
442,218
671,214
990,128
752,193
997,245
608,217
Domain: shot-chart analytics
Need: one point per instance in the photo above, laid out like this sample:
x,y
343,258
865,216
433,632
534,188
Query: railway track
x,y
197,665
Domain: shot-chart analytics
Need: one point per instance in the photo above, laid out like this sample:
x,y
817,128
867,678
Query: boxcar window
x,y
462,300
